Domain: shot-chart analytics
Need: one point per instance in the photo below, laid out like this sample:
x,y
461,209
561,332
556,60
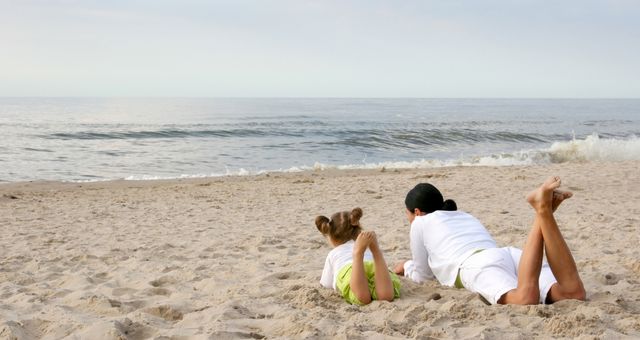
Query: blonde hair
x,y
342,227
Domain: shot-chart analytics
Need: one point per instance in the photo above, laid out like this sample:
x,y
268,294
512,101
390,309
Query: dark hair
x,y
428,199
342,227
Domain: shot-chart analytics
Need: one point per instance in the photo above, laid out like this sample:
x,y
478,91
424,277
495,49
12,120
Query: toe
x,y
552,183
562,194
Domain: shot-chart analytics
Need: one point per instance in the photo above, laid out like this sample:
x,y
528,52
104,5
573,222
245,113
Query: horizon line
x,y
311,97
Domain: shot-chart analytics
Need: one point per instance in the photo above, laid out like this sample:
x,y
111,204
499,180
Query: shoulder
x,y
443,216
460,216
346,247
433,218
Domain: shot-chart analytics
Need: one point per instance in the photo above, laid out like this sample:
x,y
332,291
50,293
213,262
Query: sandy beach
x,y
240,257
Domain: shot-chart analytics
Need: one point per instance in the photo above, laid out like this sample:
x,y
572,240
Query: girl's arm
x,y
418,268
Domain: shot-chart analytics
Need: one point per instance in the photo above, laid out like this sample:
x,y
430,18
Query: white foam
x,y
157,178
592,148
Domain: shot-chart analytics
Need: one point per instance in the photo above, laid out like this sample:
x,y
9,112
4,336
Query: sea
x,y
96,139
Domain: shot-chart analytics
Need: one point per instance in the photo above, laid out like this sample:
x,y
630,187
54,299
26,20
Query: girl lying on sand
x,y
456,249
358,274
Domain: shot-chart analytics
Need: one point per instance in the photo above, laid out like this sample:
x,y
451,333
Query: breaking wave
x,y
591,148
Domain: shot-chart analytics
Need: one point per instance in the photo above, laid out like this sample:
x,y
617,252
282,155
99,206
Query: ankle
x,y
544,210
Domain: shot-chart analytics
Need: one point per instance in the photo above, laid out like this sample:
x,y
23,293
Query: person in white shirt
x,y
359,274
457,250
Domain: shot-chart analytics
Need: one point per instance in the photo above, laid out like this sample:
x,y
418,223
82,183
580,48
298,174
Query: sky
x,y
317,48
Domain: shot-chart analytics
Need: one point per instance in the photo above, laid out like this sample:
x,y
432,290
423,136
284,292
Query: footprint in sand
x,y
163,281
123,291
234,311
132,330
170,269
157,291
285,276
100,278
236,335
165,312
19,330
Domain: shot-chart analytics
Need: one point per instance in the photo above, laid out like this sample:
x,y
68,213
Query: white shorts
x,y
493,272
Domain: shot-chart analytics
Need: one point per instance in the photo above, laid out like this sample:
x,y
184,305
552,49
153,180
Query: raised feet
x,y
373,244
545,200
541,199
382,278
358,282
559,197
363,241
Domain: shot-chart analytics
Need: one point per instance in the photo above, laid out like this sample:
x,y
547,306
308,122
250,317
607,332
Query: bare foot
x,y
559,197
541,199
363,241
373,245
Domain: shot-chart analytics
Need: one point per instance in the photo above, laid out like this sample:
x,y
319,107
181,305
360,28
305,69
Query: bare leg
x,y
359,283
563,266
528,291
384,286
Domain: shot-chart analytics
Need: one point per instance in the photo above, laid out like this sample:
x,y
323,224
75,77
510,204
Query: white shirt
x,y
337,258
441,241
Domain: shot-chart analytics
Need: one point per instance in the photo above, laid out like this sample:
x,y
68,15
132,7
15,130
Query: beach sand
x,y
240,257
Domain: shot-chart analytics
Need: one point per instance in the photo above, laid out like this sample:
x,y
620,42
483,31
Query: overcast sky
x,y
316,48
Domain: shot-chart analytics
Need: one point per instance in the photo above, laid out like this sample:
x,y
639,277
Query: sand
x,y
240,257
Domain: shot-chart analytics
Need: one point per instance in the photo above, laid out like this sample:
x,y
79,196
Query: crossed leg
x,y
546,235
359,282
563,266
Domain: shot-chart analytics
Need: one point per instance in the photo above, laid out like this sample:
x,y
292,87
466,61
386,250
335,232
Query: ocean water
x,y
91,139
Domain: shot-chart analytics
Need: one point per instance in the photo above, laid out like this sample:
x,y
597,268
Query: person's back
x,y
449,237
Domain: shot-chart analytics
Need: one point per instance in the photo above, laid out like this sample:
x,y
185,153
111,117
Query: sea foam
x,y
594,148
590,149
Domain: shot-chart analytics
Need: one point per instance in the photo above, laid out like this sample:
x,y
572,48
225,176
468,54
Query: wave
x,y
167,133
378,138
592,148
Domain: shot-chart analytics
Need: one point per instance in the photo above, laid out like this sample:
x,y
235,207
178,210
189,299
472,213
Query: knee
x,y
521,297
363,299
573,292
386,297
529,295
529,299
578,293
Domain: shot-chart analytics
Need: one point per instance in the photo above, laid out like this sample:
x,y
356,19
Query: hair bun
x,y
322,223
449,205
355,216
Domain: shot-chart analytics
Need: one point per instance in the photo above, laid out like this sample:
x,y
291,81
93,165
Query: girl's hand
x,y
399,268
